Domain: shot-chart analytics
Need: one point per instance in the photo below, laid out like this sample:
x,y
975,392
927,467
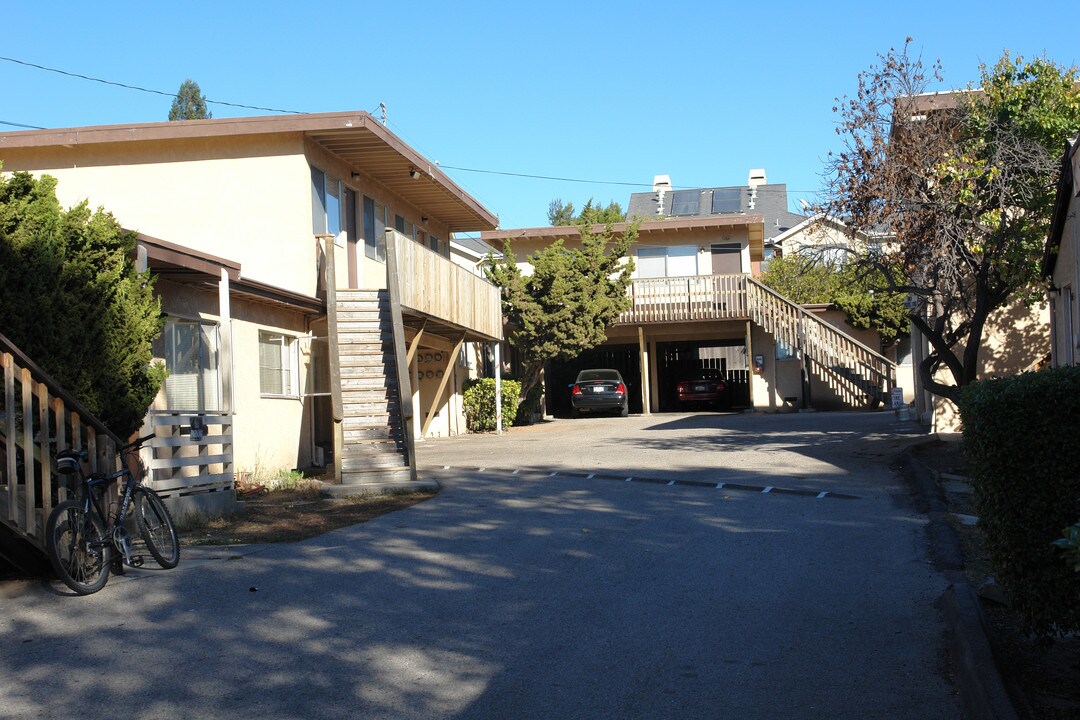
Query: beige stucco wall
x,y
246,199
1016,340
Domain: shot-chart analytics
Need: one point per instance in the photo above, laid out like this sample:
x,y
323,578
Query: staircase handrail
x,y
57,390
813,318
393,291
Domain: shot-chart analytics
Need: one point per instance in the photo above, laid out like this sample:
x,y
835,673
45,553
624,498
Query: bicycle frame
x,y
96,486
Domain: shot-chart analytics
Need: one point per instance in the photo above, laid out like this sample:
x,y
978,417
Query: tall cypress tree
x,y
71,299
189,103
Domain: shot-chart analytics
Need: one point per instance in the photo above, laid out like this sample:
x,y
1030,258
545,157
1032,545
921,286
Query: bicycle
x,y
81,539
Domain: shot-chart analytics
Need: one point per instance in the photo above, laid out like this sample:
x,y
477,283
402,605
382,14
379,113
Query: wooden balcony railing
x,y
434,287
678,299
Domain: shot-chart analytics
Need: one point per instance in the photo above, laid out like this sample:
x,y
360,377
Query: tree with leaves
x,y
858,291
965,181
189,103
565,305
560,213
71,299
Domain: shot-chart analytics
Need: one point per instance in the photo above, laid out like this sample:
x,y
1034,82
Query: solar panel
x,y
685,202
726,200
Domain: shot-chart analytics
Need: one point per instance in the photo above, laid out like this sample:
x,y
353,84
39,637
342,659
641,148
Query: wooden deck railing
x,y
434,287
678,299
38,417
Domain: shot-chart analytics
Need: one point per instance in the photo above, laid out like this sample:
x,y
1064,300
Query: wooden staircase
x,y
859,376
376,449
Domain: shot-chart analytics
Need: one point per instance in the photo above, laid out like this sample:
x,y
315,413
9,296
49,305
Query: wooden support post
x,y
393,290
30,522
643,361
498,389
9,434
333,351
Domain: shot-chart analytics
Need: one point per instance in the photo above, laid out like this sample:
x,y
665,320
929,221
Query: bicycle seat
x,y
68,461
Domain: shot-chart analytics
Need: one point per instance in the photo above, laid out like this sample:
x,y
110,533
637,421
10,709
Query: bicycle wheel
x,y
79,549
156,527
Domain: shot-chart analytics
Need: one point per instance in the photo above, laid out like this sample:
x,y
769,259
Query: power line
x,y
381,108
15,124
141,89
760,189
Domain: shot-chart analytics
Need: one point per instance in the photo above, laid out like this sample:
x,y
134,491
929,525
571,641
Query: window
x,y
191,359
685,202
277,364
326,191
434,243
405,228
374,230
672,261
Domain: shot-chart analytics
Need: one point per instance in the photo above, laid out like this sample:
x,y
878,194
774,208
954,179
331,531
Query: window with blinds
x,y
191,358
277,364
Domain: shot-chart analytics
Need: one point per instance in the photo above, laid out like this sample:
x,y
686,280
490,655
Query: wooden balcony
x,y
680,299
434,288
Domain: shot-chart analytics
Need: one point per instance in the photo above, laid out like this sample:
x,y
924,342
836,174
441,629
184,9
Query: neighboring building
x,y
757,197
283,339
1061,264
1015,337
695,306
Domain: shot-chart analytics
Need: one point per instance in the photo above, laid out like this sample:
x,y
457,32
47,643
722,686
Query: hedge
x,y
479,401
1021,439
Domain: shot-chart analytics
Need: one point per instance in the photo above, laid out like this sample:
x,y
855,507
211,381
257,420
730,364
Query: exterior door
x,y
727,259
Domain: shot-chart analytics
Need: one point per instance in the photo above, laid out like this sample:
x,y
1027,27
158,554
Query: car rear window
x,y
599,375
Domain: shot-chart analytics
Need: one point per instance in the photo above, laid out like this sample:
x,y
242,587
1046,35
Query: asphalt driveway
x,y
561,590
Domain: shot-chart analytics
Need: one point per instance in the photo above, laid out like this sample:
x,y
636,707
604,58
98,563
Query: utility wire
x,y
142,89
14,124
301,112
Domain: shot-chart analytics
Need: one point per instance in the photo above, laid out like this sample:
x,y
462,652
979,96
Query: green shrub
x,y
1020,439
479,401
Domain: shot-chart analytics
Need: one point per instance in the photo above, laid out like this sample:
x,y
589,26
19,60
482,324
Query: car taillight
x,y
576,390
680,388
621,389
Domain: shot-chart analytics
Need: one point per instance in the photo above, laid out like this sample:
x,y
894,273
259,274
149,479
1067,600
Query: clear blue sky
x,y
614,92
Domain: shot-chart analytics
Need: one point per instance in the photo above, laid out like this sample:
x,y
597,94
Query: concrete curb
x,y
981,689
978,680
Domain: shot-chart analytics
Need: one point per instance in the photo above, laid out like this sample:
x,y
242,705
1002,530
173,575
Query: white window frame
x,y
288,364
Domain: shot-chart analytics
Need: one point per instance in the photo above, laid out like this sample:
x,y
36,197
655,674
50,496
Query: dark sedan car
x,y
701,390
599,390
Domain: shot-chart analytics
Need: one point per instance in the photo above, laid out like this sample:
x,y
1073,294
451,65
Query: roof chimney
x,y
661,182
757,177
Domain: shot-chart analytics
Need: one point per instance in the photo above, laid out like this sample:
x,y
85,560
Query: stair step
x,y
361,477
351,463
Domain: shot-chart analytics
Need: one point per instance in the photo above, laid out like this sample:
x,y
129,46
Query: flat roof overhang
x,y
754,224
356,137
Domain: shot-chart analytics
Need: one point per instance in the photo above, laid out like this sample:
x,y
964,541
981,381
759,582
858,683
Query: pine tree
x,y
566,305
189,103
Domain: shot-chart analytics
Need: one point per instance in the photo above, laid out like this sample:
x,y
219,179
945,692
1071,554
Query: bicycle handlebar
x,y
137,443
